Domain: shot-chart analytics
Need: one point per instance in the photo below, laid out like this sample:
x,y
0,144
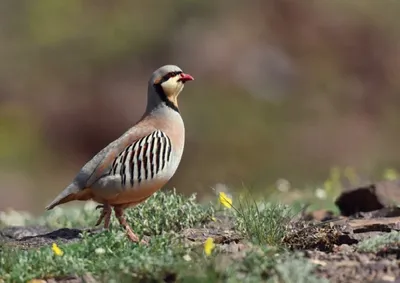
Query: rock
x,y
384,224
384,212
20,232
372,197
361,229
37,236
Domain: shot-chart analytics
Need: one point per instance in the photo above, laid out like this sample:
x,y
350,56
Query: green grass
x,y
110,257
167,256
264,223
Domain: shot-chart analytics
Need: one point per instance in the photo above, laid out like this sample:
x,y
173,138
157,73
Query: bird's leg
x,y
105,214
119,213
102,215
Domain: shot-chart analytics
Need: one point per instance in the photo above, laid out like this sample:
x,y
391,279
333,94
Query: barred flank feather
x,y
143,159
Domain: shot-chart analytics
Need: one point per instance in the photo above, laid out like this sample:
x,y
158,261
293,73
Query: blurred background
x,y
283,90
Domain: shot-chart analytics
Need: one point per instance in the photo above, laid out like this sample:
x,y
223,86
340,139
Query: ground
x,y
253,241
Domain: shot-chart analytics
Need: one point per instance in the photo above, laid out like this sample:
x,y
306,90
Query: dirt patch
x,y
350,266
331,245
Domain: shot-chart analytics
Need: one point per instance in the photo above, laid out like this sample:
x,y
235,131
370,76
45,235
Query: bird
x,y
141,161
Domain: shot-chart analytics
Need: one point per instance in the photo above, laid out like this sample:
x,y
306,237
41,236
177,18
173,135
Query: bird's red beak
x,y
185,77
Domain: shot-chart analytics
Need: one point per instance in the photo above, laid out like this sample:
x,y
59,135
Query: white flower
x,y
283,185
320,193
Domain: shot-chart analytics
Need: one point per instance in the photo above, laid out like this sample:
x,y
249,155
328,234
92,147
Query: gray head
x,y
165,84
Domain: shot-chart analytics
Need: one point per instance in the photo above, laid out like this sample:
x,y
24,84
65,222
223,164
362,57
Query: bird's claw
x,y
99,206
104,215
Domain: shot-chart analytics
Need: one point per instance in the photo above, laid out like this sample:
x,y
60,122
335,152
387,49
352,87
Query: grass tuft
x,y
265,223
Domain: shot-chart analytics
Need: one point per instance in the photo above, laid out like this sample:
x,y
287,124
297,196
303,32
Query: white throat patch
x,y
172,87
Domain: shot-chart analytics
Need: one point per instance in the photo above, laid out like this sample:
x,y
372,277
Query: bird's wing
x,y
97,167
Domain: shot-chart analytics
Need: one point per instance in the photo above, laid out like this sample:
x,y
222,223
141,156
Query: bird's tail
x,y
68,194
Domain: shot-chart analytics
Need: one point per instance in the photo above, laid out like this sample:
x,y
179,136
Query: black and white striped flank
x,y
143,159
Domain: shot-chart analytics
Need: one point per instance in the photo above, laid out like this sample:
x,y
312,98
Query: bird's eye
x,y
171,74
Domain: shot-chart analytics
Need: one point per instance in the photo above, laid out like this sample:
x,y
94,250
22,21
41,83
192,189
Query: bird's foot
x,y
119,213
105,215
133,237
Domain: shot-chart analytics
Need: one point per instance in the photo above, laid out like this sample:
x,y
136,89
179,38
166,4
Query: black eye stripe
x,y
167,76
171,74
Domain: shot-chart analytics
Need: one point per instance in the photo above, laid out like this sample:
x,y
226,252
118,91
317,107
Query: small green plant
x,y
168,211
380,242
263,222
295,268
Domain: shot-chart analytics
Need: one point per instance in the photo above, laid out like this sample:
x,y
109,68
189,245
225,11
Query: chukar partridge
x,y
137,164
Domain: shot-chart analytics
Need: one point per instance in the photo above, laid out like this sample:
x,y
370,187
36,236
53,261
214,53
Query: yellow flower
x,y
209,246
225,200
390,174
57,251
